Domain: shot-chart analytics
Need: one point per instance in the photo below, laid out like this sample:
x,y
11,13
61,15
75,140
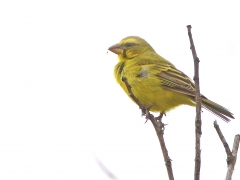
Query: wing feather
x,y
175,80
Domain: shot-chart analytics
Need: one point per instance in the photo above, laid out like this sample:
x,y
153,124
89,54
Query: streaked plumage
x,y
156,82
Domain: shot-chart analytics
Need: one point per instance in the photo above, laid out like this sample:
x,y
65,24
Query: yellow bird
x,y
155,81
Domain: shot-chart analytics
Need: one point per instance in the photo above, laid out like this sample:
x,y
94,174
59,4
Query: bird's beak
x,y
116,48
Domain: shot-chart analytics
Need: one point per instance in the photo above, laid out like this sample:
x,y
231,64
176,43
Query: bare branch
x,y
158,125
198,121
232,161
225,144
231,156
159,128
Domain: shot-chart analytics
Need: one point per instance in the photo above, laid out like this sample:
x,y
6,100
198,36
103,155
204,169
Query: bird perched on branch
x,y
155,81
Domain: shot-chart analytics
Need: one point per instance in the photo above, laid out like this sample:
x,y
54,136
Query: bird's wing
x,y
172,79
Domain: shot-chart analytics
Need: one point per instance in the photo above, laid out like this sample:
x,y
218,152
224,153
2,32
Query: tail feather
x,y
216,112
217,109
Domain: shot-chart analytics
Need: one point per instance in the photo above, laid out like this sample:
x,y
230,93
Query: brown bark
x,y
198,121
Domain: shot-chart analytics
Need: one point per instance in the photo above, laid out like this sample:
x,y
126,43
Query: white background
x,y
61,110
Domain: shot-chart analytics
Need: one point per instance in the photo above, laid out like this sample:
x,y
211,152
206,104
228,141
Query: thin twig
x,y
158,126
198,121
231,156
225,144
233,161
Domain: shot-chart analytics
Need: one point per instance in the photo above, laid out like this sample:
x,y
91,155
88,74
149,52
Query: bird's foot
x,y
145,112
143,109
159,120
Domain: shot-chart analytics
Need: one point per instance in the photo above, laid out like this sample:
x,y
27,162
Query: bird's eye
x,y
128,45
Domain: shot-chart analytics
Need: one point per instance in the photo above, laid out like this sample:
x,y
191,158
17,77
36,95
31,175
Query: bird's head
x,y
130,47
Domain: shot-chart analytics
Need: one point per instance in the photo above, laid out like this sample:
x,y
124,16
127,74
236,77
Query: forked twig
x,y
231,155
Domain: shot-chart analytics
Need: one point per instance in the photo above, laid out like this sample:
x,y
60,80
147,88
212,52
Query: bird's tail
x,y
217,109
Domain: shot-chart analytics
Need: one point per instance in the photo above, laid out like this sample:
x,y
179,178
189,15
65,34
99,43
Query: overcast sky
x,y
61,110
